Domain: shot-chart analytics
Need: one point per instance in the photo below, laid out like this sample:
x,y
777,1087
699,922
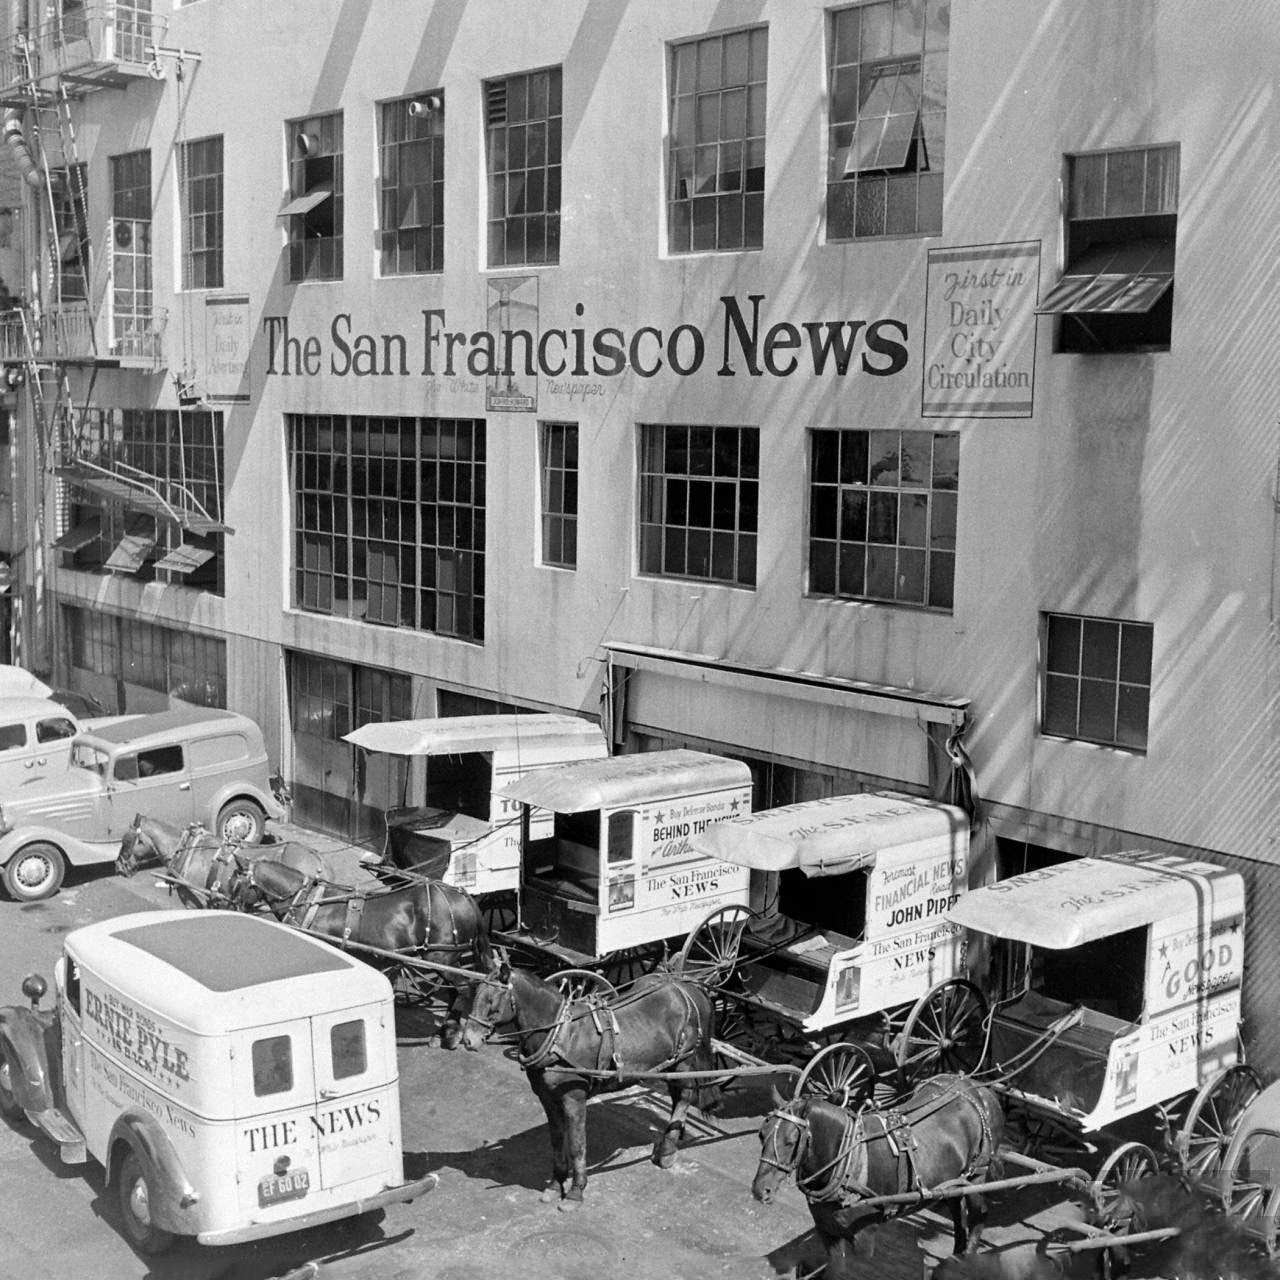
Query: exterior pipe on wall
x,y
17,141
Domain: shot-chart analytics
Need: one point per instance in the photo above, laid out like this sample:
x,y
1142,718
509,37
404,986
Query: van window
x,y
621,837
72,987
149,764
226,748
272,1066
346,1044
55,730
12,735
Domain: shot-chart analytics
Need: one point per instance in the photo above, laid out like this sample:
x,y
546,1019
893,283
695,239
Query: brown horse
x,y
949,1128
425,920
567,1046
202,867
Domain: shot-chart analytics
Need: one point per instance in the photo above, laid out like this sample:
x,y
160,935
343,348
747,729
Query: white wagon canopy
x,y
1131,964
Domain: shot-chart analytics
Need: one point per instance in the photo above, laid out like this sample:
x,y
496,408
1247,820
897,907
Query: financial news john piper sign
x,y
743,339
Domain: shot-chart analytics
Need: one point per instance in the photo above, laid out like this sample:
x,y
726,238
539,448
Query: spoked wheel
x,y
498,911
710,952
1201,1143
1128,1163
623,968
1256,1207
577,984
414,986
841,1073
944,1032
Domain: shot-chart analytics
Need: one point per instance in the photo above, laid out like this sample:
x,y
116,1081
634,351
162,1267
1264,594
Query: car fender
x,y
237,789
77,852
174,1200
25,1037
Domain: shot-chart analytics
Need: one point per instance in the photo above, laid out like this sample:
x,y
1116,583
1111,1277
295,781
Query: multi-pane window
x,y
522,151
389,520
201,163
887,111
1116,292
131,300
411,184
882,515
560,494
177,662
715,184
135,30
314,210
1097,680
72,218
699,493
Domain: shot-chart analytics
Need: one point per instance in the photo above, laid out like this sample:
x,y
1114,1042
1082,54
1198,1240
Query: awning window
x,y
184,558
888,119
79,535
305,203
130,553
1116,278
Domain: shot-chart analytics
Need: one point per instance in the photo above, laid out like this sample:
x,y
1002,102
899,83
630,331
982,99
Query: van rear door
x,y
277,1152
357,1119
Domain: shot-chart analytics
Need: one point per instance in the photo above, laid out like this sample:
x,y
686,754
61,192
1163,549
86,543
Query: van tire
x,y
134,1194
34,872
241,820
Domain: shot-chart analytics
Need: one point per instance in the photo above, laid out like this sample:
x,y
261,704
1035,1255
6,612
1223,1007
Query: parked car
x,y
193,764
35,739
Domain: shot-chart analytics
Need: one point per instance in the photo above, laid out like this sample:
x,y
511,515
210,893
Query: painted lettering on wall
x,y
745,340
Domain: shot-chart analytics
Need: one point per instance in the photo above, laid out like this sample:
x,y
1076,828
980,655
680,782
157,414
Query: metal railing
x,y
69,332
87,40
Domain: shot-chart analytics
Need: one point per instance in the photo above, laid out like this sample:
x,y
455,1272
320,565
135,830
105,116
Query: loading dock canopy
x,y
455,735
832,836
1072,903
621,782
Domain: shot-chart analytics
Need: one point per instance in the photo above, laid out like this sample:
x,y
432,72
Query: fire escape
x,y
57,339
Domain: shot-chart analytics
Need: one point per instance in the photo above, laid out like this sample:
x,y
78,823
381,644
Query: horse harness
x,y
834,1182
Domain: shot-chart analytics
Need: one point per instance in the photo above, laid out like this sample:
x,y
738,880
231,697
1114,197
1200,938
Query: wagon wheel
x,y
498,910
1129,1162
623,968
577,984
710,952
945,1031
412,985
1256,1207
1201,1143
841,1073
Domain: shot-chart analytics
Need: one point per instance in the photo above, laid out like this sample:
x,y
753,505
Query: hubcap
x,y
140,1202
239,826
33,871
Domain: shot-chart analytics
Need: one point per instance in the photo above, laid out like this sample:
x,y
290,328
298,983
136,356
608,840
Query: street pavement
x,y
471,1118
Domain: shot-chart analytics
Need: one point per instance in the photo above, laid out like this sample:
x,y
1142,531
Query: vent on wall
x,y
495,103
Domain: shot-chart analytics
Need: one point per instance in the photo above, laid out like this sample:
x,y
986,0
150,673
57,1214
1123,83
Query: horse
x,y
590,1046
201,865
949,1128
426,920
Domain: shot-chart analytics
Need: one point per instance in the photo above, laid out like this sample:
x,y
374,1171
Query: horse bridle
x,y
801,1123
488,1025
829,1182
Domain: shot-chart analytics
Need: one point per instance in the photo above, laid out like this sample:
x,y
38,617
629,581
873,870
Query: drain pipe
x,y
20,27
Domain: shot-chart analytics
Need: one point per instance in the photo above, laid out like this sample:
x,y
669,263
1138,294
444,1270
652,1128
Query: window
x,y
698,498
347,1049
1097,680
560,494
272,1066
389,520
70,207
522,151
55,729
1116,293
621,835
882,515
887,112
135,30
411,184
12,736
715,183
131,298
148,764
314,209
202,213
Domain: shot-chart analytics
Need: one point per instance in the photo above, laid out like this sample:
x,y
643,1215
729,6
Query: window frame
x,y
558,493
1081,677
320,225
132,310
393,155
209,187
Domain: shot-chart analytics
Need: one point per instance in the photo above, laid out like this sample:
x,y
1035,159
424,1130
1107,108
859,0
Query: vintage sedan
x,y
193,764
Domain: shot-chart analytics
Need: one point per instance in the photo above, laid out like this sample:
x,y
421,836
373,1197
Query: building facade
x,y
881,393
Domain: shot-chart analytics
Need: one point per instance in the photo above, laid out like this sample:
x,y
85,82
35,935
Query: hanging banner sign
x,y
227,338
980,331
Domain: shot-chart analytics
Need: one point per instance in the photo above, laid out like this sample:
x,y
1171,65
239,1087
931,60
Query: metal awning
x,y
832,836
305,203
1071,903
1116,278
130,553
453,735
620,782
184,558
79,535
